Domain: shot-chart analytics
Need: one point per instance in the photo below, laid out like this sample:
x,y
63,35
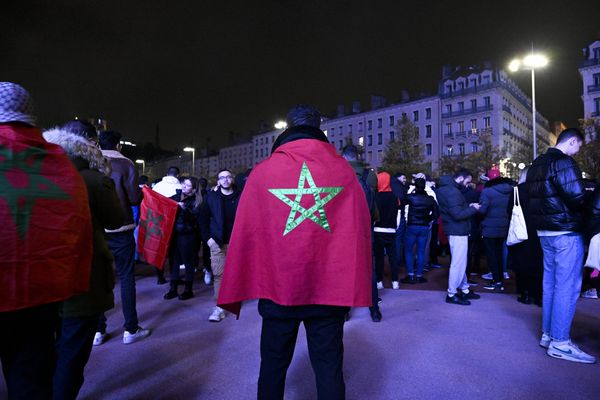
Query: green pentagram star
x,y
321,219
30,186
152,224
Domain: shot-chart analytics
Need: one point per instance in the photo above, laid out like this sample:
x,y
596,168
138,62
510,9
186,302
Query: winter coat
x,y
168,186
422,208
106,213
494,201
211,217
557,193
125,176
186,220
454,209
387,204
594,214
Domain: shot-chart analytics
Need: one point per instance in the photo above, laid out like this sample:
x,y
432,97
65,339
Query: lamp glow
x,y
280,125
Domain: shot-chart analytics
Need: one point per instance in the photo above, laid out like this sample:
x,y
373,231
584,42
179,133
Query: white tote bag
x,y
517,230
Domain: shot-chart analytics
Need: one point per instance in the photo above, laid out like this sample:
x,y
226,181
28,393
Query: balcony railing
x,y
473,133
469,90
593,88
467,111
507,109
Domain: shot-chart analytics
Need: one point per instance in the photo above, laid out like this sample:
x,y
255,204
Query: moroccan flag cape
x,y
301,234
46,233
157,216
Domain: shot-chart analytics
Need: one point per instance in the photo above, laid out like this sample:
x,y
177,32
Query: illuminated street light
x,y
193,150
280,125
530,62
521,166
143,165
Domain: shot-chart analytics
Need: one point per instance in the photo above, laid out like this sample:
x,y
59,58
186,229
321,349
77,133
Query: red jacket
x,y
319,255
46,234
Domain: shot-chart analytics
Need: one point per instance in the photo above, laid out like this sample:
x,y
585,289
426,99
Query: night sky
x,y
201,69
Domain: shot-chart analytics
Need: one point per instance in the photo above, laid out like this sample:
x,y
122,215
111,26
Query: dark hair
x,y
568,134
81,128
203,183
143,180
420,184
224,170
194,181
350,152
304,114
462,172
173,171
109,140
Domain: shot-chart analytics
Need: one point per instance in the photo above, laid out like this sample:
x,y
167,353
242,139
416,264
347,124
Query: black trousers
x,y
494,251
324,333
27,351
73,348
183,250
385,243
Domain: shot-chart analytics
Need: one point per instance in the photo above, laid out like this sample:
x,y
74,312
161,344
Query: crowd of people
x,y
313,247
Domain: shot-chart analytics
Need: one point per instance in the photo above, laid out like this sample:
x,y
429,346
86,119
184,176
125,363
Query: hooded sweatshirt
x,y
387,204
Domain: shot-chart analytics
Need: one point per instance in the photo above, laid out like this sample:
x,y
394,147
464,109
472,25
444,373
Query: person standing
x,y
121,241
399,186
169,184
304,253
216,218
384,231
456,214
556,205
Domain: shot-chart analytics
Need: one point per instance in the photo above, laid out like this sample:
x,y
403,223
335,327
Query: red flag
x,y
46,233
301,234
157,217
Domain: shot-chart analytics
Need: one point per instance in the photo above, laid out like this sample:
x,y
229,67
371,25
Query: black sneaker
x,y
410,279
470,295
472,283
421,279
495,286
456,299
375,314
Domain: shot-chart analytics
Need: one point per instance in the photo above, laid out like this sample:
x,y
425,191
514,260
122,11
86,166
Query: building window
x,y
370,140
379,155
428,149
461,126
473,82
428,113
461,85
449,88
486,101
449,108
474,147
474,126
379,122
427,131
332,131
361,140
360,126
380,138
486,122
350,128
256,153
486,79
369,156
341,130
461,106
392,120
369,125
449,150
391,136
448,128
461,149
597,106
415,116
341,144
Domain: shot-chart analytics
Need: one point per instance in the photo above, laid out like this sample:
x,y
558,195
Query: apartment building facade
x,y
589,70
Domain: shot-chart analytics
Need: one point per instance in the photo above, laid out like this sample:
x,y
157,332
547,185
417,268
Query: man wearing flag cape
x,y
300,244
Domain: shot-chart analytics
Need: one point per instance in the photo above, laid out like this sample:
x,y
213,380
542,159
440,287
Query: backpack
x,y
369,193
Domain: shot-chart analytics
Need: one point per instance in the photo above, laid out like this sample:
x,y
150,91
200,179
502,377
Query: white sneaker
x,y
218,314
545,340
99,338
590,294
379,285
506,275
395,285
567,350
487,276
140,334
207,277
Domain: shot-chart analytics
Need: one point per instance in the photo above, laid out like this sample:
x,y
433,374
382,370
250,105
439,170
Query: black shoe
x,y
470,295
538,302
524,298
456,299
495,286
186,295
375,314
421,279
410,279
171,294
347,316
161,280
472,283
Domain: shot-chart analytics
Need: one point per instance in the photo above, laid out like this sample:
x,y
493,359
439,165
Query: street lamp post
x,y
193,150
531,62
143,165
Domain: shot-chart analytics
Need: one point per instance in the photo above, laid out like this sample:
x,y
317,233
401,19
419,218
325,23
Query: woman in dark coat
x,y
527,257
185,239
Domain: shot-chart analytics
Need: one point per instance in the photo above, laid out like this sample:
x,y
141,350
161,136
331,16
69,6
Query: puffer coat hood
x,y
79,148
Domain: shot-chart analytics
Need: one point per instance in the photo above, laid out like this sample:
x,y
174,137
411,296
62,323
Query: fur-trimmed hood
x,y
79,148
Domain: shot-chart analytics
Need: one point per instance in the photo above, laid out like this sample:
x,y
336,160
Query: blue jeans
x,y
563,270
415,234
400,238
122,246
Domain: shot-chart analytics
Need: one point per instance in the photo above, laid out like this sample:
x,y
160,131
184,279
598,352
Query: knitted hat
x,y
493,173
16,104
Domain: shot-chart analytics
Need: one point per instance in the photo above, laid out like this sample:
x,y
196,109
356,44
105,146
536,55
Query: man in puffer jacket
x,y
557,196
494,225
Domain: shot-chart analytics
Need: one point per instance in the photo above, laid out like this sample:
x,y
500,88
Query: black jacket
x,y
594,213
472,196
494,201
212,215
187,217
387,204
556,193
454,209
422,208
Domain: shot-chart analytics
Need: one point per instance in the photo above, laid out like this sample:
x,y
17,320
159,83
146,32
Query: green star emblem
x,y
22,184
296,208
152,224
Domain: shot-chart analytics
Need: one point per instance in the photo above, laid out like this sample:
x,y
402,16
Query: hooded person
x,y
80,313
384,231
46,249
304,252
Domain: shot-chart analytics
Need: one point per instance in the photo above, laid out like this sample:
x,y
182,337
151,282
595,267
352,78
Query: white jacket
x,y
167,186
